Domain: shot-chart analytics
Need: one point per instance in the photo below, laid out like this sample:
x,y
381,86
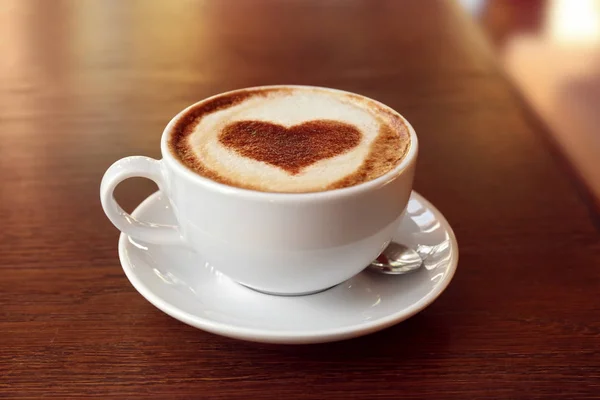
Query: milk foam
x,y
288,108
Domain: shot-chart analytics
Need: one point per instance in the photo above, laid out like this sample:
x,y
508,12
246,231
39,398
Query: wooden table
x,y
84,83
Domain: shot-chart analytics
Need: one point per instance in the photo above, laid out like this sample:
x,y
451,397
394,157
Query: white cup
x,y
279,243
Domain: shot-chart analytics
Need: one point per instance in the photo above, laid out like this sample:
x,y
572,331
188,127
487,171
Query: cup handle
x,y
130,167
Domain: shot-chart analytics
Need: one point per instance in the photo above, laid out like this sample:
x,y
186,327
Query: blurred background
x,y
550,50
59,51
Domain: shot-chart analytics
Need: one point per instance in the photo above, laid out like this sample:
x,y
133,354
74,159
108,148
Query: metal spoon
x,y
397,259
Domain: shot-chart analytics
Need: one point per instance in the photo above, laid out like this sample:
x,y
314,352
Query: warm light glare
x,y
575,20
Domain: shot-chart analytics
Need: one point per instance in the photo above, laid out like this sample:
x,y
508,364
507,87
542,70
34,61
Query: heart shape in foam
x,y
293,148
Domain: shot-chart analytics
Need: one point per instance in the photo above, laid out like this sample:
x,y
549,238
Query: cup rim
x,y
376,183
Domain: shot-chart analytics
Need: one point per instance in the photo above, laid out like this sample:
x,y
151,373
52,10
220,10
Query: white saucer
x,y
179,283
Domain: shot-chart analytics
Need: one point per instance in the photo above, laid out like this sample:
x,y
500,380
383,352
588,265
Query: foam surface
x,y
291,139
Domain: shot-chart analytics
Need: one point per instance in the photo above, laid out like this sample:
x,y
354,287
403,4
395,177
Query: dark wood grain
x,y
84,83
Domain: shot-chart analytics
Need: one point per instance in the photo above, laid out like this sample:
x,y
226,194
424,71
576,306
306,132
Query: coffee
x,y
289,139
283,139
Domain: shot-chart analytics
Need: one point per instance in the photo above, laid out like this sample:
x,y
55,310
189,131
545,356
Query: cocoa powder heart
x,y
293,148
